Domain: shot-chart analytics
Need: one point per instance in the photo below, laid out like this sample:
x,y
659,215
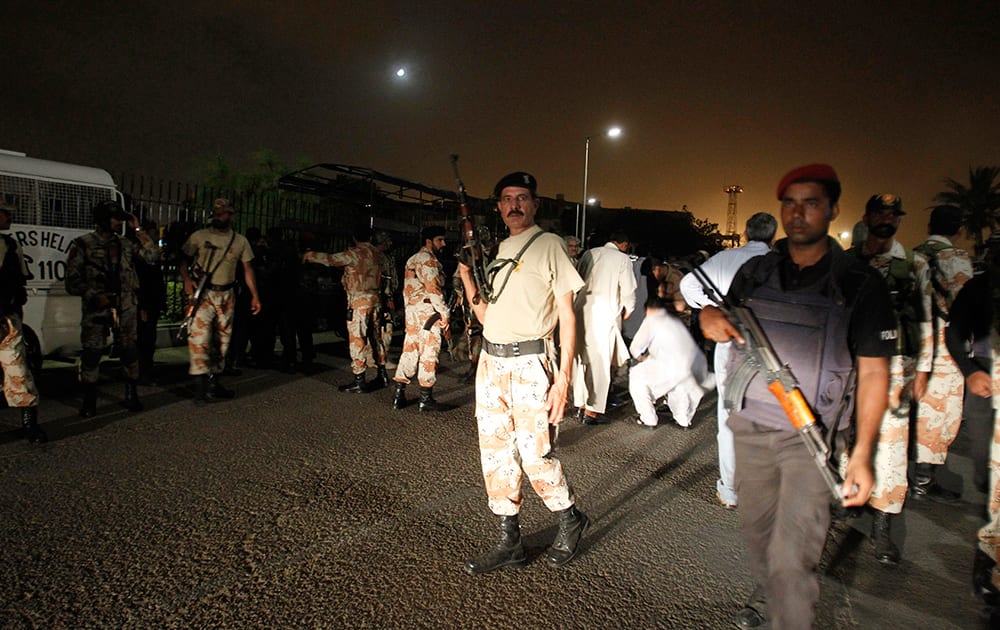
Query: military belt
x,y
221,287
516,349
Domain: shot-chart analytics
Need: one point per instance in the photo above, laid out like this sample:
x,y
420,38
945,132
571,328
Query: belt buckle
x,y
516,349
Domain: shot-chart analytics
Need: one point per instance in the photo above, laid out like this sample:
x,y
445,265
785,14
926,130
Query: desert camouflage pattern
x,y
362,280
210,332
890,488
18,383
891,452
989,534
423,294
939,412
97,264
514,432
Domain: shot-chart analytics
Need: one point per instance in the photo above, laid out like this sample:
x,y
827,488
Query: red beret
x,y
807,173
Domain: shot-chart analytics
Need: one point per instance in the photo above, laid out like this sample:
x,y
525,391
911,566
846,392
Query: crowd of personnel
x,y
892,349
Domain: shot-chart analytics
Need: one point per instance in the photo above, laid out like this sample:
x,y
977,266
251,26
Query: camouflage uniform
x,y
939,413
100,264
989,534
18,382
361,281
210,332
911,297
423,296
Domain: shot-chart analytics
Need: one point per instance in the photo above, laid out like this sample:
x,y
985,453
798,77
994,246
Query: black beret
x,y
519,179
431,232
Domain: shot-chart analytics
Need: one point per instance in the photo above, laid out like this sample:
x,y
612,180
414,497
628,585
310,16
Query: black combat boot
x,y
29,422
427,402
925,486
217,391
572,524
886,551
132,402
357,387
89,407
381,380
507,553
399,397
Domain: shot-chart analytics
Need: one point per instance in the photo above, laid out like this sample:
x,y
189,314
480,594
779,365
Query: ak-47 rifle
x,y
762,359
472,253
199,293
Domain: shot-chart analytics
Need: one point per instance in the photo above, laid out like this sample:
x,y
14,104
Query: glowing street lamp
x,y
613,132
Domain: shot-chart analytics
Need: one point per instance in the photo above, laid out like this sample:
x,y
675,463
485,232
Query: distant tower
x,y
731,235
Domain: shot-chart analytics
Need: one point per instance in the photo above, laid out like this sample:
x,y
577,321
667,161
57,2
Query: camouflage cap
x,y
885,201
223,203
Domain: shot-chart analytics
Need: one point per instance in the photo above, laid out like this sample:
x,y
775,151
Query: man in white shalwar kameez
x,y
607,296
670,363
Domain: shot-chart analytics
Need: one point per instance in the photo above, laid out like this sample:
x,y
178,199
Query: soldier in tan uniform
x,y
939,414
908,277
99,269
427,317
362,280
215,252
520,388
18,382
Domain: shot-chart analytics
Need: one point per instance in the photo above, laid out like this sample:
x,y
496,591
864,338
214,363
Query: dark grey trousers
x,y
785,514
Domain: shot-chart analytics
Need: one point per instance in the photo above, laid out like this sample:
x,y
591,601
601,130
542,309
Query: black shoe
x,y
754,614
982,579
925,486
399,396
614,402
381,381
232,371
572,524
599,418
357,387
507,553
89,407
132,402
428,403
886,551
29,422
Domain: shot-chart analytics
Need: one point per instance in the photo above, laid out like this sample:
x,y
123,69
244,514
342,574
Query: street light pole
x,y
582,227
613,132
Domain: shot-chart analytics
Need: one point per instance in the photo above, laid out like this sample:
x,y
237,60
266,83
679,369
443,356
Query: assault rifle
x,y
472,253
199,293
763,360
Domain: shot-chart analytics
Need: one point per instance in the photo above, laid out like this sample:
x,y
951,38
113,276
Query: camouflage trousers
x,y
890,461
210,332
939,413
420,348
514,433
95,326
359,335
18,383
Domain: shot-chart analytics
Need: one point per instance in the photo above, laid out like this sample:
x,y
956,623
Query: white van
x,y
53,202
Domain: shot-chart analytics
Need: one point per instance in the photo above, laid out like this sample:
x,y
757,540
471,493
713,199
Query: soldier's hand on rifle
x,y
717,327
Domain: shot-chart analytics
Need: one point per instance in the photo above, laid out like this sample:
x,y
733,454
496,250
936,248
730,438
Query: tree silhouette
x,y
979,201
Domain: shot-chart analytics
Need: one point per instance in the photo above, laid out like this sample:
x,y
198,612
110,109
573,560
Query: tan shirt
x,y
208,259
526,308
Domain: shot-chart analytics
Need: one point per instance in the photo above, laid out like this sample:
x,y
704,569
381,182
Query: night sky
x,y
896,96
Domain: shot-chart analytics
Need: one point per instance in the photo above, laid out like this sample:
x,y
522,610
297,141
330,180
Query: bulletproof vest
x,y
12,281
941,301
906,301
809,331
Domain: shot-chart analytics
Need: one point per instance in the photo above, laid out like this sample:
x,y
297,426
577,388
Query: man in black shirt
x,y
828,317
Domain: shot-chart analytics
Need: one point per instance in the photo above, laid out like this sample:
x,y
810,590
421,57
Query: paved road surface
x,y
295,505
